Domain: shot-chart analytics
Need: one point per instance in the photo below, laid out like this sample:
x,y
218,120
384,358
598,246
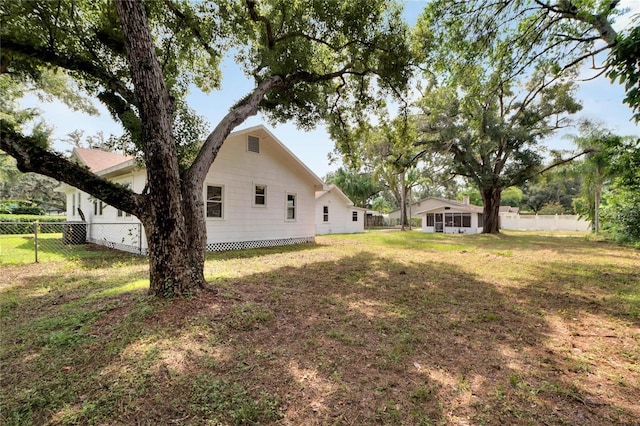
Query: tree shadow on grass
x,y
358,340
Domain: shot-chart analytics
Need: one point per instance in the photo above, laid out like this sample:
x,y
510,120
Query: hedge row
x,y
30,218
23,224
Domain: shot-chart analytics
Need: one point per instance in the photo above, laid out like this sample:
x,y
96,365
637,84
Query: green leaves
x,y
624,67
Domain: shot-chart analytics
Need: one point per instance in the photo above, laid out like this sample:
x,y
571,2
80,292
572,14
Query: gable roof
x,y
332,188
509,209
97,160
262,132
111,164
443,202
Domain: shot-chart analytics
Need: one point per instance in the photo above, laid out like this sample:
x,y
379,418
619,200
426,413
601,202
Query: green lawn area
x,y
17,249
377,328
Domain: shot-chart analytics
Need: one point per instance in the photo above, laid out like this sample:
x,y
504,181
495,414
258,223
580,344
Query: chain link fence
x,y
25,242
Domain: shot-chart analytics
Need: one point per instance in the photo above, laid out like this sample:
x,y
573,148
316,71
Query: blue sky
x,y
601,101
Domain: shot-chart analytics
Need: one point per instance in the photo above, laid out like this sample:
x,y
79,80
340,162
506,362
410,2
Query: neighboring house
x,y
449,216
508,210
336,214
257,194
413,210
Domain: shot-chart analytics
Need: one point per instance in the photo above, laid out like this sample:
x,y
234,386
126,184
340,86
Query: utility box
x,y
74,233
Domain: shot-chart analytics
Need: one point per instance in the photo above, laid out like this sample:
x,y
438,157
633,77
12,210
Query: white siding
x,y
239,170
340,216
474,229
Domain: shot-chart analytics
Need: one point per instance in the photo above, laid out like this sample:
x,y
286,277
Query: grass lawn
x,y
377,328
16,249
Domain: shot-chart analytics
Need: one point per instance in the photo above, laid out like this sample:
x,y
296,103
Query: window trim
x,y
286,207
354,215
325,214
206,201
255,195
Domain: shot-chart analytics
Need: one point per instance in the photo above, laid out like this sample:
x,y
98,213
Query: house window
x,y
121,213
73,205
291,206
354,216
458,220
214,201
259,195
325,213
98,207
430,221
480,220
253,144
79,205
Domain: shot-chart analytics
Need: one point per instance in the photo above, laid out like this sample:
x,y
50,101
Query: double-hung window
x,y
325,213
121,213
98,207
354,216
260,195
77,206
291,206
214,201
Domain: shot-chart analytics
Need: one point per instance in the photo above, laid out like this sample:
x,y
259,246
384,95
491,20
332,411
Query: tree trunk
x,y
172,271
491,210
596,212
196,227
403,203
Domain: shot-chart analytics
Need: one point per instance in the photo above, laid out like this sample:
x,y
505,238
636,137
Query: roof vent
x,y
253,144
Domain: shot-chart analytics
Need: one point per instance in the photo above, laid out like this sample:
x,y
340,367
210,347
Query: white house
x,y
449,216
257,194
336,214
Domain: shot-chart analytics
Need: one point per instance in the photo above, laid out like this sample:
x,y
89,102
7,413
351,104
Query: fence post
x,y
35,239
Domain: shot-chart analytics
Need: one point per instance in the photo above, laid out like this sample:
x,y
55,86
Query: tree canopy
x,y
310,61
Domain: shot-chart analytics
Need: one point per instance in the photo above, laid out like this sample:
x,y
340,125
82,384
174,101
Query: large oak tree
x,y
309,60
501,83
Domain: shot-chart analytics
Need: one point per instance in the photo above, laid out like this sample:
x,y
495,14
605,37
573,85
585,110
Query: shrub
x,y
28,210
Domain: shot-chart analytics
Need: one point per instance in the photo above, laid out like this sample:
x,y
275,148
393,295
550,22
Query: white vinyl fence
x,y
543,222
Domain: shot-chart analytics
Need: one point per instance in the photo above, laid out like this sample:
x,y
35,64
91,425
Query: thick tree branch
x,y
30,157
238,114
564,161
71,64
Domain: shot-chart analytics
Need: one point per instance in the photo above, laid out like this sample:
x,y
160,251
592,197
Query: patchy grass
x,y
377,328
